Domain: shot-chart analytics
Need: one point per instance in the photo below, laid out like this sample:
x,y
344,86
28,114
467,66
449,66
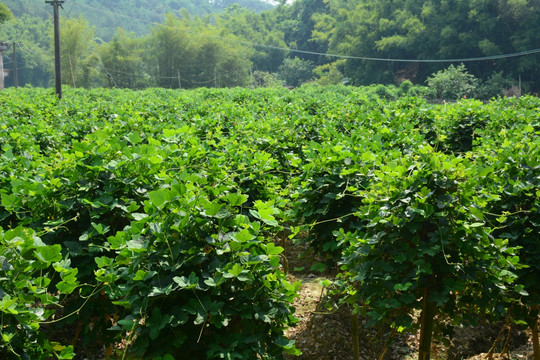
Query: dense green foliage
x,y
5,13
217,43
104,15
153,207
152,215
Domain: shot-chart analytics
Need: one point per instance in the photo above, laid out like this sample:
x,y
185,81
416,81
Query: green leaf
x,y
236,199
402,287
156,159
244,235
319,267
103,261
264,212
8,200
66,287
48,254
477,213
236,270
160,197
101,230
140,275
187,282
272,249
212,208
139,216
66,353
476,224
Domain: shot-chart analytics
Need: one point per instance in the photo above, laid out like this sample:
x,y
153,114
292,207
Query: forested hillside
x,y
135,44
131,15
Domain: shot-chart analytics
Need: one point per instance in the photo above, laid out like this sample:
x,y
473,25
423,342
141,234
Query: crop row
x,y
150,218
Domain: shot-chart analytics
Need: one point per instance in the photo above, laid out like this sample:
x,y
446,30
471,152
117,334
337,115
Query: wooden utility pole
x,y
16,74
3,47
57,59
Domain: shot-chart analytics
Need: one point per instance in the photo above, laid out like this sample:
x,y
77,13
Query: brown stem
x,y
77,334
492,349
284,254
386,345
536,343
355,337
506,347
426,327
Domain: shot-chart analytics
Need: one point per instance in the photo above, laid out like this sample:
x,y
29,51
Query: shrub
x,y
295,72
494,86
263,79
453,83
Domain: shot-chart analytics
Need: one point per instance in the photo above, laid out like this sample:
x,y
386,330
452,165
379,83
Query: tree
x,y
330,74
122,62
453,83
494,86
77,44
295,71
191,52
171,52
256,29
5,14
34,57
261,79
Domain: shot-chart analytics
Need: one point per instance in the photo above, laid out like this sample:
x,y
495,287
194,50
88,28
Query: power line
x,y
26,48
156,76
339,56
483,58
70,9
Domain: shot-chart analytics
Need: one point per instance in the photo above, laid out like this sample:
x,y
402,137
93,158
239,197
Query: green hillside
x,y
136,15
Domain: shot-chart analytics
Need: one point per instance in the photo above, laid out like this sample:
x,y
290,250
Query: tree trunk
x,y
426,327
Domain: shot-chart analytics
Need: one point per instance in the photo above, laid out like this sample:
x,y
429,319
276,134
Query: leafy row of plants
x,y
156,214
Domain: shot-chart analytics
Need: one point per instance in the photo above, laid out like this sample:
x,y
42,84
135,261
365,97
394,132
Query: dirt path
x,y
326,335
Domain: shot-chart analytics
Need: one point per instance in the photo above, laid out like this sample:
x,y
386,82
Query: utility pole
x,y
57,59
16,74
3,47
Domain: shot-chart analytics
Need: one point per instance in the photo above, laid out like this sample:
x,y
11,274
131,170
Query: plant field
x,y
155,221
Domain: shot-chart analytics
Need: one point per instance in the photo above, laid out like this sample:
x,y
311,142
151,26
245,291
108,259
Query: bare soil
x,y
323,334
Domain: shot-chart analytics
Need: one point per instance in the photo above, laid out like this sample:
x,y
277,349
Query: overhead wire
x,y
367,58
157,76
24,48
70,9
6,57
